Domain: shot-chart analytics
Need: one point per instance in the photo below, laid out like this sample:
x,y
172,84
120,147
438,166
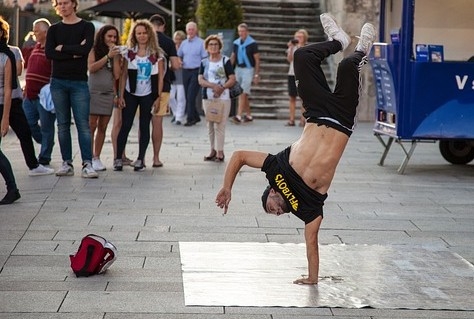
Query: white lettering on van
x,y
461,82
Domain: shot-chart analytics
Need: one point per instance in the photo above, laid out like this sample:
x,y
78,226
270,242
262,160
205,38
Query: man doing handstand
x,y
300,175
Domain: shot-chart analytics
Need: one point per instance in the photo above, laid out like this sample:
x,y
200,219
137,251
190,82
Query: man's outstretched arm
x,y
311,231
239,158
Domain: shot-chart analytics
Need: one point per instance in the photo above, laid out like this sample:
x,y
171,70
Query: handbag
x,y
214,110
235,90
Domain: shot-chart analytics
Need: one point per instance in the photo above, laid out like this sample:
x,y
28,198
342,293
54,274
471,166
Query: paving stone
x,y
385,313
3,259
382,237
447,224
37,247
43,285
234,230
161,286
7,246
194,236
31,301
202,221
146,214
118,219
125,301
39,234
461,238
48,221
279,311
317,317
146,249
185,316
51,315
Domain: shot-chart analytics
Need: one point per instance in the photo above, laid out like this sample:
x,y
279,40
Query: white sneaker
x,y
88,171
66,170
41,170
97,165
366,38
118,164
138,165
334,31
135,162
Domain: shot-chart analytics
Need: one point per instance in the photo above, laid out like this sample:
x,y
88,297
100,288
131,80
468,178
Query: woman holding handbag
x,y
216,76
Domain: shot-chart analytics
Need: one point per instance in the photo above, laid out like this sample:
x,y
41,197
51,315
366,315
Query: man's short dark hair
x,y
158,20
265,194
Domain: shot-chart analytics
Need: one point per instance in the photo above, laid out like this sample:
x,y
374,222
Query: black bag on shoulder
x,y
236,89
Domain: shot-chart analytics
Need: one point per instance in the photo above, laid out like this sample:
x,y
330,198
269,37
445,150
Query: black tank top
x,y
303,201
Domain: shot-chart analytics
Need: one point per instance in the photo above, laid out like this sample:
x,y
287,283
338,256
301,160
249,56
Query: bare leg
x,y
100,136
93,119
245,105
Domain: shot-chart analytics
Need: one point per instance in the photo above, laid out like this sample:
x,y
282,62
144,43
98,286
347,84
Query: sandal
x,y
219,159
126,161
290,123
211,156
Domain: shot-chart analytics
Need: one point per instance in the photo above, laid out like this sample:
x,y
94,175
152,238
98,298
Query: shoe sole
x,y
89,176
10,201
65,174
40,174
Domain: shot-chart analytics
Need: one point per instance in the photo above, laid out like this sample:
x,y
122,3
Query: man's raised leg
x,y
348,71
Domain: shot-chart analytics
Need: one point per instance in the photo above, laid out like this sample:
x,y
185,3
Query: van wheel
x,y
457,152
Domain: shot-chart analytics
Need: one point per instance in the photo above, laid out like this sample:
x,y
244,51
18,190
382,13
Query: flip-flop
x,y
158,165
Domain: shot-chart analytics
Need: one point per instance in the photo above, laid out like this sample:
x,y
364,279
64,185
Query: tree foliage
x,y
186,10
6,11
219,14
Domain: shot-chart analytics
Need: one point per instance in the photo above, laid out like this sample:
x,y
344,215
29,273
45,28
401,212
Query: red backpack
x,y
94,256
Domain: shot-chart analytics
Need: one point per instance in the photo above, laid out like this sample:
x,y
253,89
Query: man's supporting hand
x,y
223,199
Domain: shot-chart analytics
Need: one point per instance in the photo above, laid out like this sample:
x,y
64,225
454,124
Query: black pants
x,y
320,103
20,126
191,87
7,172
128,114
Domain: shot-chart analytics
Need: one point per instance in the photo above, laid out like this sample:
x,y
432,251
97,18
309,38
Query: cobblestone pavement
x,y
145,214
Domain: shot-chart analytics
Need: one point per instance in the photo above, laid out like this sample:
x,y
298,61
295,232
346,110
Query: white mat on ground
x,y
351,276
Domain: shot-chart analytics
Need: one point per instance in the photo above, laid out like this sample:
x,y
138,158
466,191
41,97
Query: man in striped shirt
x,y
38,74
